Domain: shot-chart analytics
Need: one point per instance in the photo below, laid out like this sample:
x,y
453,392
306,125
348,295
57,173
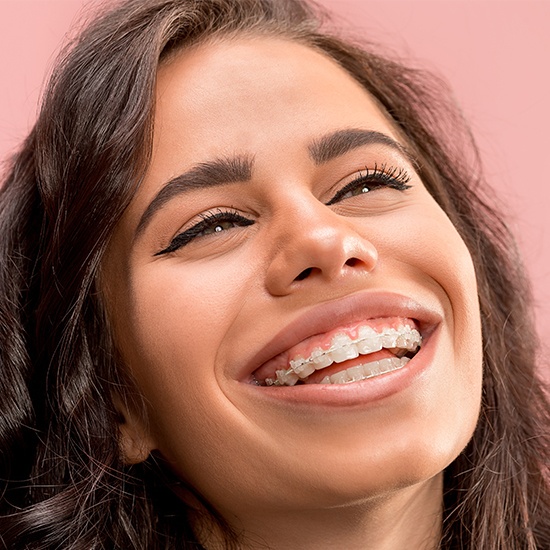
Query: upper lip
x,y
351,309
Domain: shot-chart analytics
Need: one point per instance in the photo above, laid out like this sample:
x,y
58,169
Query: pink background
x,y
495,54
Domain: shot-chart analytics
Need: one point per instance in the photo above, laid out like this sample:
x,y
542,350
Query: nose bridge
x,y
310,241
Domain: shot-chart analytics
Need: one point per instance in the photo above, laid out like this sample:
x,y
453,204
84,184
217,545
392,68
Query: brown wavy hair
x,y
63,481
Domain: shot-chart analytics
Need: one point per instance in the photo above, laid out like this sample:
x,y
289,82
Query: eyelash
x,y
210,220
371,179
379,176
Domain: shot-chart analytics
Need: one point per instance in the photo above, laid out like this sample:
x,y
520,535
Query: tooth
x,y
303,371
286,378
369,345
317,352
388,340
385,365
339,378
353,352
396,363
356,373
325,380
372,369
366,332
338,355
401,341
296,363
412,340
322,361
343,354
340,340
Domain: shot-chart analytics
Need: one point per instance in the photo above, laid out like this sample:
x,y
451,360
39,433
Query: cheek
x,y
453,270
179,312
177,317
433,256
429,249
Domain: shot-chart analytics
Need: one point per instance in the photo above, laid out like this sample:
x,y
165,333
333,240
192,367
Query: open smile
x,y
382,346
351,350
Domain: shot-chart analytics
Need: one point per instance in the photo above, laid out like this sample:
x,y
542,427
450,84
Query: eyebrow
x,y
223,171
339,143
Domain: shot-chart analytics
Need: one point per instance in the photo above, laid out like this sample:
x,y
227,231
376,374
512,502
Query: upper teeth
x,y
343,348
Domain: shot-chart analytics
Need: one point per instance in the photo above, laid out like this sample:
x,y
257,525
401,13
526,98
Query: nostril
x,y
305,273
352,262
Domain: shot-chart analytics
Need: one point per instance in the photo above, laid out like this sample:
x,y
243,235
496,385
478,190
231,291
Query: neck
x,y
408,518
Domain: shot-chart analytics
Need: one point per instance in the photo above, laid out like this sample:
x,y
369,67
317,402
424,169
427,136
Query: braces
x,y
404,338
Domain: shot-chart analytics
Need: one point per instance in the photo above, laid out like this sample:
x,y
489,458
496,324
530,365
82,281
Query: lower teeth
x,y
353,374
366,371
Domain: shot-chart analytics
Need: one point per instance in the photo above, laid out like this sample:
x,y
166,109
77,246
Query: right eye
x,y
212,223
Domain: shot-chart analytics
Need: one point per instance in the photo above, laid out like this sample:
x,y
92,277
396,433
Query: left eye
x,y
371,180
218,227
357,188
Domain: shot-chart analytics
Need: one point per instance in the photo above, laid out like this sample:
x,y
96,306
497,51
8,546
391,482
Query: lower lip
x,y
360,393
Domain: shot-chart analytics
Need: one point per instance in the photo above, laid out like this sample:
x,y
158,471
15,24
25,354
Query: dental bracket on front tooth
x,y
343,348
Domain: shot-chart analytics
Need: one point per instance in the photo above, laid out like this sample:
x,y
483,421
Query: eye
x,y
211,223
370,180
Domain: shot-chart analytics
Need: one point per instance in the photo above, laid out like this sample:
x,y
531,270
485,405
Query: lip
x,y
331,315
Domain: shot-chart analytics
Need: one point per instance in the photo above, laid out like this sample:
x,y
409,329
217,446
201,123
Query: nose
x,y
316,244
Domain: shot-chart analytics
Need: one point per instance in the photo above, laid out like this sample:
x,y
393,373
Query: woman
x,y
251,298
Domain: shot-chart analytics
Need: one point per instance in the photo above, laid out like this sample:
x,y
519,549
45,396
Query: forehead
x,y
232,93
262,98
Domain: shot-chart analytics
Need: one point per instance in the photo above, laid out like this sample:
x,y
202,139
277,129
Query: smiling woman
x,y
255,301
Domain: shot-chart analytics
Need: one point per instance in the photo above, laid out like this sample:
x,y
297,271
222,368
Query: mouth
x,y
350,350
345,355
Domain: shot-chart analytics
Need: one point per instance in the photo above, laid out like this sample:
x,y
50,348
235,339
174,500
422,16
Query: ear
x,y
136,442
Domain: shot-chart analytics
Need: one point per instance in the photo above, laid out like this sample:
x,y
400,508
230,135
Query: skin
x,y
364,476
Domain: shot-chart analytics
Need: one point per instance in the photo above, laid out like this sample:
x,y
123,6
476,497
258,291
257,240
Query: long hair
x,y
63,481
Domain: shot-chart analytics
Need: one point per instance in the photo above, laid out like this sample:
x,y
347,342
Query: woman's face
x,y
281,217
